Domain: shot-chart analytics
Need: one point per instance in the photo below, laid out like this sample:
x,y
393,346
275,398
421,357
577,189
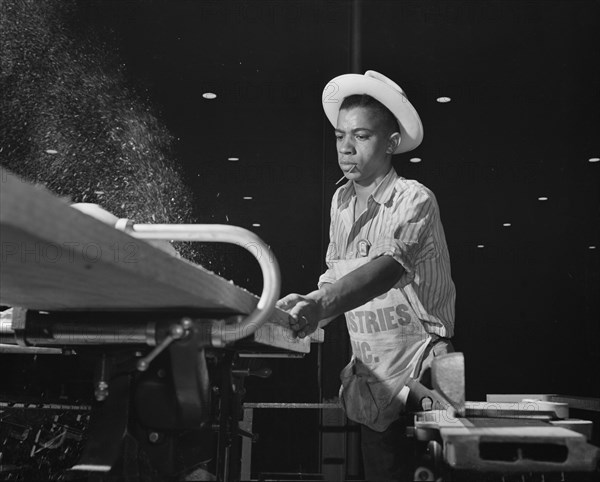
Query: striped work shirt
x,y
402,220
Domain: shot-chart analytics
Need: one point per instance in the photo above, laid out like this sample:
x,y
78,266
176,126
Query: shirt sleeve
x,y
407,238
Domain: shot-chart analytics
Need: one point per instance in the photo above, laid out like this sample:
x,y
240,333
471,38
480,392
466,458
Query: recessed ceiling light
x,y
443,100
506,225
481,246
594,159
415,159
542,198
51,151
256,225
248,197
592,247
209,95
233,159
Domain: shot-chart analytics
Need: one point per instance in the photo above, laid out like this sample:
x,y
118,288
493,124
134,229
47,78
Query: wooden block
x,y
276,336
448,378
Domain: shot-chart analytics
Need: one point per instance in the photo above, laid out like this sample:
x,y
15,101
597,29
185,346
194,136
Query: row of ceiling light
x,y
414,160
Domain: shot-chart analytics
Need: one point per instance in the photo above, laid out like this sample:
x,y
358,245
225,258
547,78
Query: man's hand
x,y
330,300
304,313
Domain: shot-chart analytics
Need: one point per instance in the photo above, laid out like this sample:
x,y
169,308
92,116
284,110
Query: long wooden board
x,y
55,258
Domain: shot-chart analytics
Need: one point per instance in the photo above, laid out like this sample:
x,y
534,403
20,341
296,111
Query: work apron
x,y
388,343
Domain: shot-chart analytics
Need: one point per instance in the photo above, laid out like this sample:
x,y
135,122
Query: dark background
x,y
524,79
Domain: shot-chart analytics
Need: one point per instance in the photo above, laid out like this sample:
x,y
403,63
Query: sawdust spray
x,y
70,120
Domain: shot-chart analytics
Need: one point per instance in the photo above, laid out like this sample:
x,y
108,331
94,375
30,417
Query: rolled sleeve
x,y
411,222
391,247
326,278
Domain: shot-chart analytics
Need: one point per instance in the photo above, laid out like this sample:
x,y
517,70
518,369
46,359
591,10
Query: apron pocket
x,y
356,397
369,401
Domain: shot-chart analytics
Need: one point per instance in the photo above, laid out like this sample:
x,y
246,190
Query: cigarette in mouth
x,y
344,176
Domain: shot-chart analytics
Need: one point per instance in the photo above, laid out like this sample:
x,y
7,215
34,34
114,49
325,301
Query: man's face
x,y
363,144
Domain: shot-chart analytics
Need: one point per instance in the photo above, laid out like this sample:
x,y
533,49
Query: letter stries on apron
x,y
388,343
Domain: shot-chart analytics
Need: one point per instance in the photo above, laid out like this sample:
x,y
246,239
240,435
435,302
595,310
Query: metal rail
x,y
218,233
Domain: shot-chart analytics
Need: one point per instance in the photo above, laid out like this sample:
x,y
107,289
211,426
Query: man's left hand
x,y
304,313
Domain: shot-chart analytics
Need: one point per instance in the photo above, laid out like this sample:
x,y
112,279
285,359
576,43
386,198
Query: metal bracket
x,y
177,331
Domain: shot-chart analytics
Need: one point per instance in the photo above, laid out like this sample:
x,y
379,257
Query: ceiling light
x,y
481,246
542,198
592,247
209,95
415,159
443,100
594,159
233,159
248,198
51,151
506,225
256,225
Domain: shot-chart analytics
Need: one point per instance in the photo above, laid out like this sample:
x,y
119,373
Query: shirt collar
x,y
381,194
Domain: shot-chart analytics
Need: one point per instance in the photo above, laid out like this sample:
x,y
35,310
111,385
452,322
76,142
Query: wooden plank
x,y
55,258
276,336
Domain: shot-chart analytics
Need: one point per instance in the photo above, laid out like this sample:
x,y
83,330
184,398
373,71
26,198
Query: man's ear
x,y
393,142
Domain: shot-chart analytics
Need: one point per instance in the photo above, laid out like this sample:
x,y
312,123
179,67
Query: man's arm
x,y
355,289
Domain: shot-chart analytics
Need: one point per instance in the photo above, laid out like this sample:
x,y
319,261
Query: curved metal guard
x,y
220,233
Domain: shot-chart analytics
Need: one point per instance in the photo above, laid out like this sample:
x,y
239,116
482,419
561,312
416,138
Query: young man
x,y
388,268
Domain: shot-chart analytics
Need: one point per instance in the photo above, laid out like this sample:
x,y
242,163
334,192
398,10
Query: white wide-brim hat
x,y
385,91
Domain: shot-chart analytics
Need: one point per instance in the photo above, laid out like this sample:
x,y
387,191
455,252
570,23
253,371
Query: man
x,y
388,268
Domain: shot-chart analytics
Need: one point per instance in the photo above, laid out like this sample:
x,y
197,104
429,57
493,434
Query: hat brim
x,y
355,84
